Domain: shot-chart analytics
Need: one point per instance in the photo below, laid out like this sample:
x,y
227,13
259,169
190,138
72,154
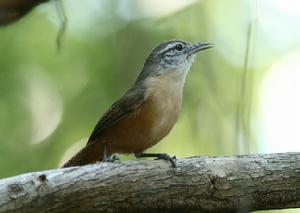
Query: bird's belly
x,y
144,127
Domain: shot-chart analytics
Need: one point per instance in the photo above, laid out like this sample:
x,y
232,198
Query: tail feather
x,y
89,154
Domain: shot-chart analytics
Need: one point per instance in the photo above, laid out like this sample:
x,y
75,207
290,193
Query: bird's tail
x,y
89,154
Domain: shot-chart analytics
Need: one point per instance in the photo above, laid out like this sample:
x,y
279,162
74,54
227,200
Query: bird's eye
x,y
179,47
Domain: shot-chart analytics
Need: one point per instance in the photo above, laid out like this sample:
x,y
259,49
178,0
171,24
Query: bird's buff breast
x,y
152,121
165,97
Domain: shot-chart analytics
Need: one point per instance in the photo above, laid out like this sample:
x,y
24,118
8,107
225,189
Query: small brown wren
x,y
147,111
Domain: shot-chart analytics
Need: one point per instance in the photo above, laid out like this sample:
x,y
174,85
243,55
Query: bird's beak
x,y
198,47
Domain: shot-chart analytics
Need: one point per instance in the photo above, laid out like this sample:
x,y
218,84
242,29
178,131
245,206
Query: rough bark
x,y
199,184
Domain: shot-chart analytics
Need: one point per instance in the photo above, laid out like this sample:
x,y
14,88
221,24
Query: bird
x,y
147,111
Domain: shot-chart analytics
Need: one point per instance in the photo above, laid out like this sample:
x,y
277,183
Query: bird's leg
x,y
158,156
107,158
105,152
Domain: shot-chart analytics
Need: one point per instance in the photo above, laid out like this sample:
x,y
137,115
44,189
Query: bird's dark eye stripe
x,y
178,47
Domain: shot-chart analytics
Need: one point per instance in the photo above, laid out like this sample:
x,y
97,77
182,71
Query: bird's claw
x,y
172,160
115,158
111,159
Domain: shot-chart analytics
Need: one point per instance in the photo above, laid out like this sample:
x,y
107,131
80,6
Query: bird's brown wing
x,y
132,100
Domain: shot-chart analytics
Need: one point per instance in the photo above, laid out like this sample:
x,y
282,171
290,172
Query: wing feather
x,y
131,101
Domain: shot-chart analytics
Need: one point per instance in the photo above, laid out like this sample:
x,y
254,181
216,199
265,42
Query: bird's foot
x,y
165,156
158,156
111,159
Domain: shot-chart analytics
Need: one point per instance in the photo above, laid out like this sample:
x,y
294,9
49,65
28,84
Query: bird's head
x,y
172,56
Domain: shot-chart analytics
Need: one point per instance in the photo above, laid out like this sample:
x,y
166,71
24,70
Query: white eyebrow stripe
x,y
169,46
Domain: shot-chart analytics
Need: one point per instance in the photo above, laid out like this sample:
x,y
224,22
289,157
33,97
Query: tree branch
x,y
201,184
